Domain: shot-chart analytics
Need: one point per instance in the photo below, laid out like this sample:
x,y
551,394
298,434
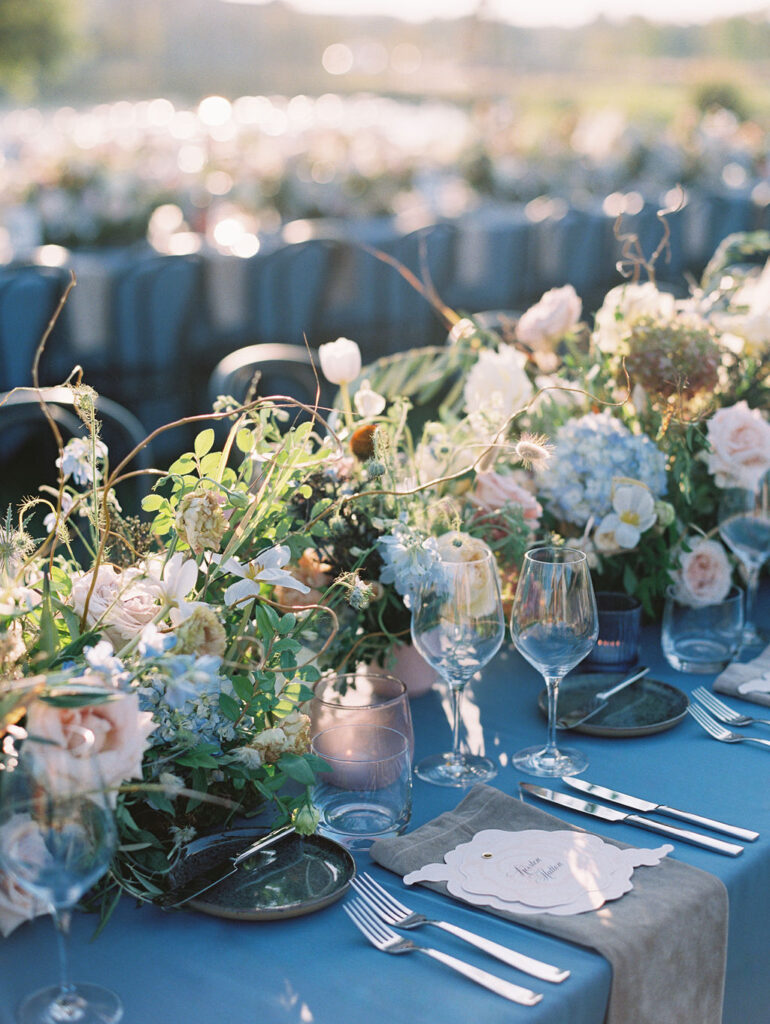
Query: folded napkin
x,y
666,939
749,680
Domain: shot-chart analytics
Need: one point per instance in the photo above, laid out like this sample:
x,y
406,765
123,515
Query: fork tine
x,y
362,924
380,896
371,897
707,722
375,923
714,704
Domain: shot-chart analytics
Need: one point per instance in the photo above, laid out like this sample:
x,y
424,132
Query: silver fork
x,y
384,938
719,731
722,711
391,911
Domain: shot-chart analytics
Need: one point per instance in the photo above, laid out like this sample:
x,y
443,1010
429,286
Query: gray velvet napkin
x,y
749,680
666,939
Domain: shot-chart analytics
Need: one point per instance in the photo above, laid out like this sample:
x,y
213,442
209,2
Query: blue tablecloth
x,y
183,967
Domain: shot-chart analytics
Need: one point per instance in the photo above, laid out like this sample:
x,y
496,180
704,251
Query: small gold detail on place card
x,y
486,856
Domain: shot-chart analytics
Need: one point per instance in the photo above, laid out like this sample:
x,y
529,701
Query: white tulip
x,y
340,360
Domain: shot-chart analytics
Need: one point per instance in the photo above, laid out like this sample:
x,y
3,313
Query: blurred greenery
x,y
35,37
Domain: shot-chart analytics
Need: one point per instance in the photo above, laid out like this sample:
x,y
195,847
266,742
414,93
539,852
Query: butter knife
x,y
204,880
611,815
634,803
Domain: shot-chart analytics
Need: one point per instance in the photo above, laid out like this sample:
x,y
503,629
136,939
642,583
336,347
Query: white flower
x,y
623,306
633,512
51,519
267,567
497,382
340,360
173,580
102,662
557,313
75,459
740,446
367,402
704,573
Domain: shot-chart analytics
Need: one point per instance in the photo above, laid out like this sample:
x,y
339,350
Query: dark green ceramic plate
x,y
296,876
645,707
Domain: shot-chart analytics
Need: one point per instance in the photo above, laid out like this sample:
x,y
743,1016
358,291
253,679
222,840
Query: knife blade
x,y
598,702
209,877
635,803
611,815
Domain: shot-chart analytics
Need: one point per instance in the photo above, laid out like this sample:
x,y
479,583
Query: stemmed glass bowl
x,y
744,526
57,837
458,626
554,624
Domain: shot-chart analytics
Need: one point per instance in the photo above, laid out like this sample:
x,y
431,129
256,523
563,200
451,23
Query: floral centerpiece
x,y
188,639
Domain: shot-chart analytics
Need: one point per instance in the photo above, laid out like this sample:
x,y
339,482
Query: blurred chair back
x,y
29,296
29,460
286,290
283,369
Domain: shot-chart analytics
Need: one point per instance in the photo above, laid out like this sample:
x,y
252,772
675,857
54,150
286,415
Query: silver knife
x,y
610,814
634,803
204,880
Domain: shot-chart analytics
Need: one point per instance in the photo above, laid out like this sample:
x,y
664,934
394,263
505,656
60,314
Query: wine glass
x,y
458,626
57,837
554,624
744,526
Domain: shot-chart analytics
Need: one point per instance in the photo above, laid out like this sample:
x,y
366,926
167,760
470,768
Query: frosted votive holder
x,y
620,624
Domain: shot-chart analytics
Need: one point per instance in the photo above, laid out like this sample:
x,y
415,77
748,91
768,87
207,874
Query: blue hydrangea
x,y
589,453
182,692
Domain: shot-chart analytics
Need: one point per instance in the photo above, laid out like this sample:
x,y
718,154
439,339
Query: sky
x,y
543,12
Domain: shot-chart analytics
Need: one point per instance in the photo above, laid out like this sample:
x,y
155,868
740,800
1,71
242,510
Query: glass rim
x,y
371,705
353,758
576,556
486,555
732,594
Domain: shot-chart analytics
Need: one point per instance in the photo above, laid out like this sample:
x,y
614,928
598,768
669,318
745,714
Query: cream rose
x,y
16,904
122,603
456,548
201,633
494,490
740,446
120,733
704,574
200,521
555,315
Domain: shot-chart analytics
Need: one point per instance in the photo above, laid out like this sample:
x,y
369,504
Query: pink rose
x,y
704,574
740,446
16,904
557,313
120,732
121,603
494,490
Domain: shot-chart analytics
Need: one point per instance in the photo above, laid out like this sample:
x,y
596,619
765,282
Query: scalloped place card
x,y
535,872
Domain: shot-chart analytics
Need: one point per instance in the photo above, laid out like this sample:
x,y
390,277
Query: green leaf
x,y
152,502
229,707
243,687
244,440
204,442
197,759
297,768
287,623
183,465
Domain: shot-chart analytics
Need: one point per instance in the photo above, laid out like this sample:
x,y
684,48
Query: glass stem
x,y
61,919
552,689
456,694
752,582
